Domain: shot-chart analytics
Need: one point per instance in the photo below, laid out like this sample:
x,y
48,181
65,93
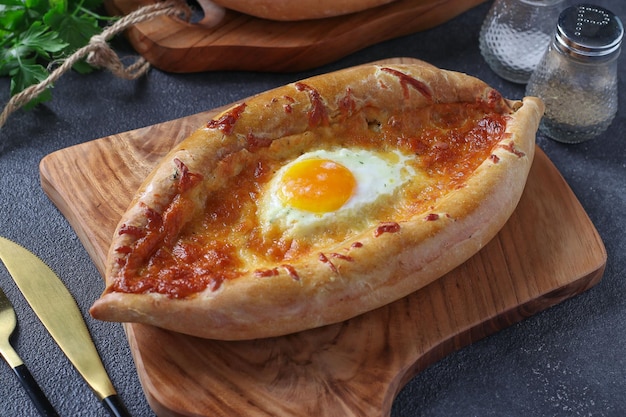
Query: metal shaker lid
x,y
589,32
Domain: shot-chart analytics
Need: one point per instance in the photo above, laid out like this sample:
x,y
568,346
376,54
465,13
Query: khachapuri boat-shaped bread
x,y
318,201
290,10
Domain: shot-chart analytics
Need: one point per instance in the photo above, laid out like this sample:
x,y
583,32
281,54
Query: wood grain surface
x,y
547,252
243,42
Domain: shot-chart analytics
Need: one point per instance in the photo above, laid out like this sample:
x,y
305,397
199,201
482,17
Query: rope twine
x,y
99,54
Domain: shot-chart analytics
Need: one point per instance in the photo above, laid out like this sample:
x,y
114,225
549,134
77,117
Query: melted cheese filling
x,y
436,148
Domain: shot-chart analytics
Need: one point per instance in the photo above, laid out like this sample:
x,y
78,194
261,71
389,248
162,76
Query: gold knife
x,y
59,313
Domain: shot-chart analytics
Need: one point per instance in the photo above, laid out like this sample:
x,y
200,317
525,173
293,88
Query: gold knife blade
x,y
59,313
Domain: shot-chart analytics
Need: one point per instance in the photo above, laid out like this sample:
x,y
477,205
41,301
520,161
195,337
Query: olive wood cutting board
x,y
243,42
547,252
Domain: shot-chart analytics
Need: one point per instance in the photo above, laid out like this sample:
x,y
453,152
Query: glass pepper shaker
x,y
515,34
577,76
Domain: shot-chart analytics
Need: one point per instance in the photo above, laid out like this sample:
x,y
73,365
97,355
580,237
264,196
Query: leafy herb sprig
x,y
34,33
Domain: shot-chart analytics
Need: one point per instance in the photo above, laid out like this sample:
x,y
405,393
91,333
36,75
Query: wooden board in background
x,y
547,252
243,42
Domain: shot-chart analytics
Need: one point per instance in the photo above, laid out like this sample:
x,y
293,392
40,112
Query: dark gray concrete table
x,y
567,361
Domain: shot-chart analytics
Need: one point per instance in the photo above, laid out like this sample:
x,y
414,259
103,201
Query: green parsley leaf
x,y
76,31
34,33
40,40
28,74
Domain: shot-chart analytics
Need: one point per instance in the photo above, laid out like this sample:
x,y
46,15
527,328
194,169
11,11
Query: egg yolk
x,y
316,185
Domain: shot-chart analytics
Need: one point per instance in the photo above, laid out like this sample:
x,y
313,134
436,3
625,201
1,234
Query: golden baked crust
x,y
317,280
289,10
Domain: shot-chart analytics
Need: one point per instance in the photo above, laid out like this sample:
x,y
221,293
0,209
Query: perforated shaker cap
x,y
589,32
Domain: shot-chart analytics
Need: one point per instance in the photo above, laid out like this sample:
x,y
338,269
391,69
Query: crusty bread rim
x,y
419,253
291,10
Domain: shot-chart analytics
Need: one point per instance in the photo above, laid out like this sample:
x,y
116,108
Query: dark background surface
x,y
567,361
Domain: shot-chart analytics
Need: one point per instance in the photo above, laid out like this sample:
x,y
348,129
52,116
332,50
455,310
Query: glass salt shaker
x,y
515,35
577,77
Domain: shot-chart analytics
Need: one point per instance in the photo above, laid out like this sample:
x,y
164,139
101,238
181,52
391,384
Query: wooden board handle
x,y
243,42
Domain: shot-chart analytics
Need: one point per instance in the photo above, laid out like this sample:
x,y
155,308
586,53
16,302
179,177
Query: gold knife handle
x,y
34,391
115,407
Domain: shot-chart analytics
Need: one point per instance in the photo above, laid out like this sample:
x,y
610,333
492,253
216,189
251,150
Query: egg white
x,y
378,175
